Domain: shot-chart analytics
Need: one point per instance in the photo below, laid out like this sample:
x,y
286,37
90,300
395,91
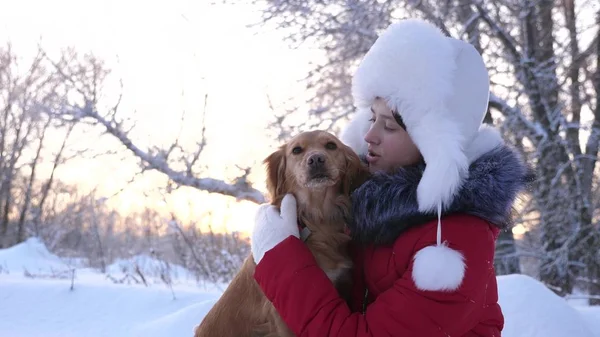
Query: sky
x,y
170,55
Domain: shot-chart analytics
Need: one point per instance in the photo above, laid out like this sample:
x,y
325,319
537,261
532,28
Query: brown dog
x,y
320,172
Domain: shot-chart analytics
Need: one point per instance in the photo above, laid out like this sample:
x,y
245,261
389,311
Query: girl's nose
x,y
371,136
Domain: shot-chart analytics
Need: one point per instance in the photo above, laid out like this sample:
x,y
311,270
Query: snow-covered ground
x,y
36,300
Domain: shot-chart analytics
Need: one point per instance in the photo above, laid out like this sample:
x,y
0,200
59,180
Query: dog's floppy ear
x,y
276,175
356,172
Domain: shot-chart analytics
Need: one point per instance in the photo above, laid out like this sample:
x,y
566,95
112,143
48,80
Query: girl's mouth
x,y
372,157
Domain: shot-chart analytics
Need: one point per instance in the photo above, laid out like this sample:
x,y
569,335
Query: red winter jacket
x,y
311,306
388,231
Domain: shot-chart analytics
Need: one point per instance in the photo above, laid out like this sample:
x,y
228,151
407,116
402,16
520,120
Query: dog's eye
x,y
331,146
297,150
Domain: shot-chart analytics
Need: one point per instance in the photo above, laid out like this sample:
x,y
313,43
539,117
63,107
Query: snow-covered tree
x,y
27,87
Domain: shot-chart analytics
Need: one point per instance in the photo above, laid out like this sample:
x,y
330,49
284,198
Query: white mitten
x,y
272,227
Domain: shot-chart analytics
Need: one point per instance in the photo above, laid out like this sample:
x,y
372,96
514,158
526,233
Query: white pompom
x,y
438,268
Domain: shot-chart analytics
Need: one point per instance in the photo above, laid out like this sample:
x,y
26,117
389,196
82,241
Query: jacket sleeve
x,y
311,306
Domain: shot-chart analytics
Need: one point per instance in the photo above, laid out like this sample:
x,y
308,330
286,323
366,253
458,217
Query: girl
x,y
425,224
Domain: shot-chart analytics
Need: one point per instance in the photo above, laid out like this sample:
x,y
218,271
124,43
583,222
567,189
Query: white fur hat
x,y
440,87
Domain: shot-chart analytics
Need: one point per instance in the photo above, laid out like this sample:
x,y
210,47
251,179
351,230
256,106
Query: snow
x,y
43,303
96,306
532,310
97,309
150,266
31,255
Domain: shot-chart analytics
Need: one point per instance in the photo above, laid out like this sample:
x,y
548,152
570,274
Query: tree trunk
x,y
48,185
32,176
507,258
590,249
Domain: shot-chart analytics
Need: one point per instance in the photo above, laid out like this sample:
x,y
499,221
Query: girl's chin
x,y
374,168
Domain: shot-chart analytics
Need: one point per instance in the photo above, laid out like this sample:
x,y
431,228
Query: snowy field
x,y
40,297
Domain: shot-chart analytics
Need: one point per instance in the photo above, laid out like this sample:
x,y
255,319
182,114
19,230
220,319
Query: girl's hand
x,y
271,227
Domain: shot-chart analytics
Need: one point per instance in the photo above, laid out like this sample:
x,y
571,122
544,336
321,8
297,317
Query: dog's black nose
x,y
316,161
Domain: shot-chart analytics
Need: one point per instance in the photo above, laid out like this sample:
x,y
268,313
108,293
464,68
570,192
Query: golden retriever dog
x,y
321,173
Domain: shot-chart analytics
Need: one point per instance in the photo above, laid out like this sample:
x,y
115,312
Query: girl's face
x,y
390,146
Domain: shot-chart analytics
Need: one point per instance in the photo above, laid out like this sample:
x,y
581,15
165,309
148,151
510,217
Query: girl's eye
x,y
389,128
372,120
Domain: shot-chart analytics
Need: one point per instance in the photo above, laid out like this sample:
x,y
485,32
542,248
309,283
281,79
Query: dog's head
x,y
313,161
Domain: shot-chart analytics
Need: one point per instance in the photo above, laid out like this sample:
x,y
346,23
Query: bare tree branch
x,y
240,191
76,72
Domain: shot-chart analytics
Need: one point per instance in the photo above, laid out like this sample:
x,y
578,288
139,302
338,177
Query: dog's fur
x,y
322,193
